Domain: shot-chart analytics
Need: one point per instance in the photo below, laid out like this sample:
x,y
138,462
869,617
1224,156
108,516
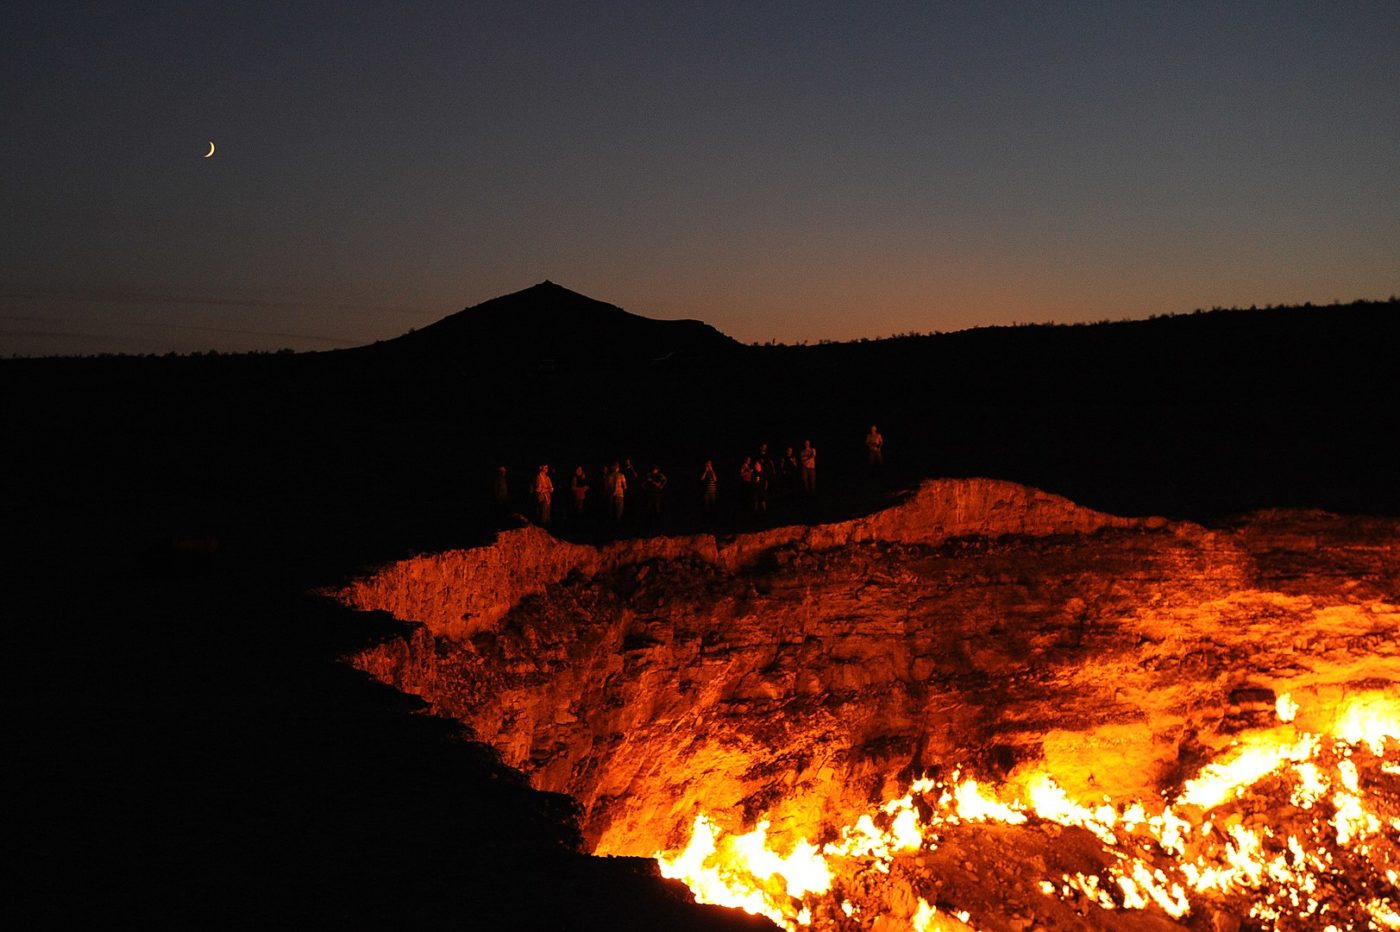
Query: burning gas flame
x,y
1332,863
741,871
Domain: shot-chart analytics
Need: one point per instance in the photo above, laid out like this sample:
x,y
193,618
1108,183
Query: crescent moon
x,y
211,149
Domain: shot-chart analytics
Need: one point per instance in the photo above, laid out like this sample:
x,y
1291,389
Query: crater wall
x,y
800,673
462,592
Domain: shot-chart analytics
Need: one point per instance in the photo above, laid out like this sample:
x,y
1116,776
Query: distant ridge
x,y
549,325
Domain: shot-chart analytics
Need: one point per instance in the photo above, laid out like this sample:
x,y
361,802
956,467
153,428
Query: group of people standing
x,y
761,476
616,485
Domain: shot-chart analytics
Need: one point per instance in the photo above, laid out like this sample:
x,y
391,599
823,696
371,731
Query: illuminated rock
x,y
800,677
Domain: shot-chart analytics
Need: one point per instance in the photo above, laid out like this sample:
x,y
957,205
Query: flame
x,y
972,804
741,871
1370,720
1254,760
1214,839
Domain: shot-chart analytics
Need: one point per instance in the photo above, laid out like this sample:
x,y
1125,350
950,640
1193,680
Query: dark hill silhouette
x,y
547,326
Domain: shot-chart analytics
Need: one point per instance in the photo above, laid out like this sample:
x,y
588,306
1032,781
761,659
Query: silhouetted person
x,y
617,491
760,488
709,489
875,447
605,489
746,481
634,480
544,495
655,484
500,491
763,459
788,471
578,486
807,456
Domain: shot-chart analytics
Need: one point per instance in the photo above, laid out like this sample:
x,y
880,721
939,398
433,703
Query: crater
x,y
1025,700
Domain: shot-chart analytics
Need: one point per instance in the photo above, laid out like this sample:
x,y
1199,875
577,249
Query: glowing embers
x,y
1287,828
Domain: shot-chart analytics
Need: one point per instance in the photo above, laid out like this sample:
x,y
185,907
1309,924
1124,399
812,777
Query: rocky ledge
x,y
798,674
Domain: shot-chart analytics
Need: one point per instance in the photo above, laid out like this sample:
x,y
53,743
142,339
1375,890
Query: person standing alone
x,y
709,489
578,485
875,447
655,483
807,456
500,492
544,495
617,489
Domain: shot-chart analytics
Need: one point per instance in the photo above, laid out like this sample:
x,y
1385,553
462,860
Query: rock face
x,y
462,592
800,673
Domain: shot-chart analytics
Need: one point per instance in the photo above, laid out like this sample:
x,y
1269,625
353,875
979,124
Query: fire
x,y
1256,759
742,872
1370,721
1283,827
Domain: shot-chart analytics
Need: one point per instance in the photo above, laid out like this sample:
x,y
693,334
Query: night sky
x,y
788,171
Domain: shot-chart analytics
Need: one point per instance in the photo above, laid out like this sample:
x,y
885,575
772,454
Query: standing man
x,y
788,471
500,491
544,495
709,489
807,456
604,496
578,485
655,483
765,461
617,488
875,447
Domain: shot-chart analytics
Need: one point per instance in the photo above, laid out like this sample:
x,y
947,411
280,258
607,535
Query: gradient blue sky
x,y
790,171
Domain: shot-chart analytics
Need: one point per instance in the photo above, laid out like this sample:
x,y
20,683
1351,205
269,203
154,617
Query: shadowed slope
x,y
548,326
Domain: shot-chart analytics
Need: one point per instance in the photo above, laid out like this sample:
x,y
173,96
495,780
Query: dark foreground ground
x,y
187,747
